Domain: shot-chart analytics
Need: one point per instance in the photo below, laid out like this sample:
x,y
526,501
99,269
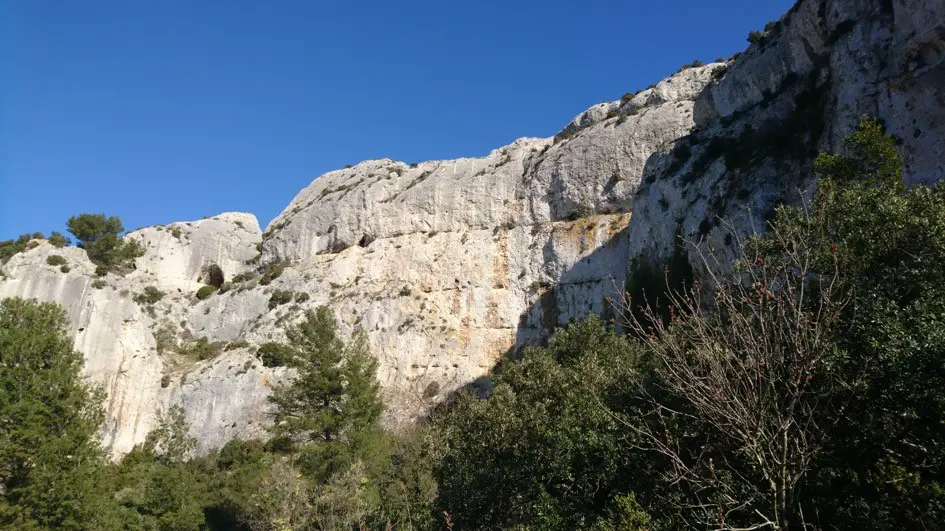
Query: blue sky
x,y
172,110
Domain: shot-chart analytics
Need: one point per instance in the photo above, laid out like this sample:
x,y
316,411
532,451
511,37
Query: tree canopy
x,y
51,464
100,237
334,400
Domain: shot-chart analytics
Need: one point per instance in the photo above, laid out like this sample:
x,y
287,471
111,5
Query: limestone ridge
x,y
448,265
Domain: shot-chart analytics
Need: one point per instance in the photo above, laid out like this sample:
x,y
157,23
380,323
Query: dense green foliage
x,y
318,471
8,248
274,354
544,451
326,464
334,403
50,460
100,237
205,292
883,462
156,487
840,307
89,228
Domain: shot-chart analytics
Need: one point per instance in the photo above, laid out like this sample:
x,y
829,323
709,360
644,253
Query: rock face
x,y
449,265
798,91
224,397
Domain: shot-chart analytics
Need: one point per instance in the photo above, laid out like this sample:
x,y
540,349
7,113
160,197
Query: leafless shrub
x,y
741,367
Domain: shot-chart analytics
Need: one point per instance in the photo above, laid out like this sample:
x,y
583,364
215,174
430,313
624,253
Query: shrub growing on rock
x,y
239,343
165,337
8,248
200,349
757,37
719,72
215,275
273,272
55,260
58,240
205,291
280,297
149,296
243,277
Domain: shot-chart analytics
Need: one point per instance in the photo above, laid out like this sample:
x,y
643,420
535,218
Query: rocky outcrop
x,y
225,397
798,90
449,265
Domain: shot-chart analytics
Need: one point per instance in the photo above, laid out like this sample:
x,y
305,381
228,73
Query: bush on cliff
x,y
100,237
205,292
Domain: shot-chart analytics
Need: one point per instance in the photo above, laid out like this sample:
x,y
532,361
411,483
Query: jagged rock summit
x,y
449,265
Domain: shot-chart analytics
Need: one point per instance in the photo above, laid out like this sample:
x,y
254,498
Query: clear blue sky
x,y
172,110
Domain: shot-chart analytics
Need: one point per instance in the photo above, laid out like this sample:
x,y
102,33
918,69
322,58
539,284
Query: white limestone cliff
x,y
449,265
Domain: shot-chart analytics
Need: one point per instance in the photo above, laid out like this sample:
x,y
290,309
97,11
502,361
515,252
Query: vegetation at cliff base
x,y
51,463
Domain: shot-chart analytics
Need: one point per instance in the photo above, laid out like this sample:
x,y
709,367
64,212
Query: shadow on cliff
x,y
586,287
581,290
788,126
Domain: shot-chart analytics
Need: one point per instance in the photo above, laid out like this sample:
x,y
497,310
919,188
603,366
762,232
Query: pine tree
x,y
363,405
52,467
157,486
100,237
170,442
333,404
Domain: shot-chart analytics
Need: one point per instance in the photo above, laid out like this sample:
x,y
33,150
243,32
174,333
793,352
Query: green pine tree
x,y
157,486
362,406
100,237
52,467
329,412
